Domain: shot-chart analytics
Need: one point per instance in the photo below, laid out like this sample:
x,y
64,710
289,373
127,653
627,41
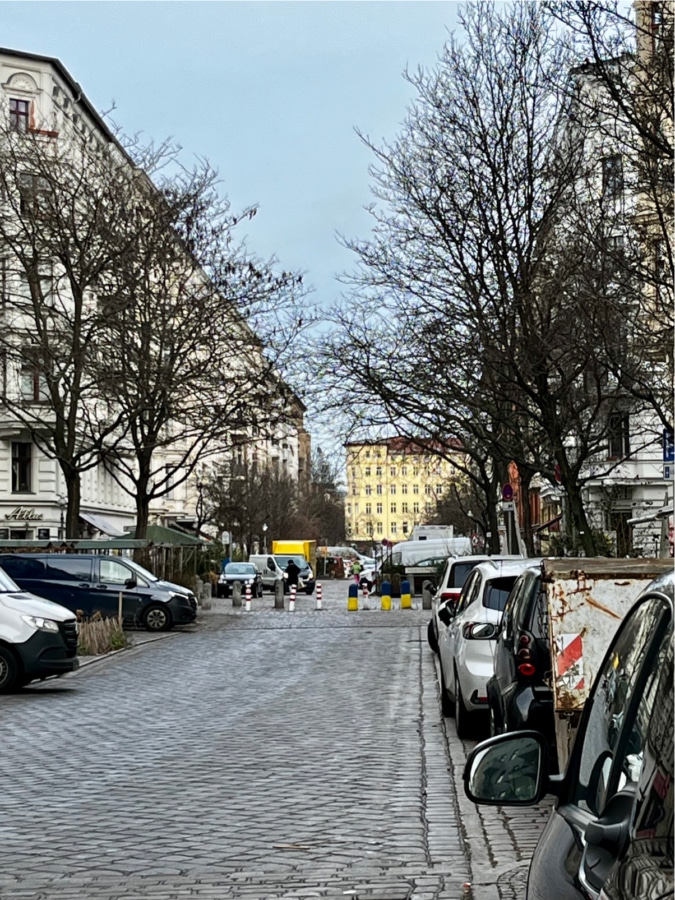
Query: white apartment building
x,y
39,96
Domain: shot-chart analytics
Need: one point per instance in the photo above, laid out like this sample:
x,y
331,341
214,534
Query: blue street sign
x,y
668,446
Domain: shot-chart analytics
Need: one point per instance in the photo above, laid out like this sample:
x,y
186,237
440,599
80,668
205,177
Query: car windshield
x,y
7,585
283,561
240,569
140,570
496,592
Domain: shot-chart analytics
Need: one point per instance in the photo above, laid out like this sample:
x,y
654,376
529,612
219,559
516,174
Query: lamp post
x,y
264,531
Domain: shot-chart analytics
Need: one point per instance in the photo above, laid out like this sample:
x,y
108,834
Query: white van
x,y
407,553
38,638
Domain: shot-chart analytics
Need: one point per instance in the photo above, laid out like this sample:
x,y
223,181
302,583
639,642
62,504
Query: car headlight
x,y
41,624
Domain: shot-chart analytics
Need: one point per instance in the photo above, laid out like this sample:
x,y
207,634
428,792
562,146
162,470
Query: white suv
x,y
466,640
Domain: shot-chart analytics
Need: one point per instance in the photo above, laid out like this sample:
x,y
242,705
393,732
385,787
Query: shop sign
x,y
24,514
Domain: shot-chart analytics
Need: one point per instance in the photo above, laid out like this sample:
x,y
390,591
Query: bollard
x,y
427,594
319,595
248,596
364,591
291,602
236,593
279,594
406,599
353,599
386,595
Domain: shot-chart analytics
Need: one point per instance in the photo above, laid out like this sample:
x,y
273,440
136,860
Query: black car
x,y
610,834
89,583
242,572
519,693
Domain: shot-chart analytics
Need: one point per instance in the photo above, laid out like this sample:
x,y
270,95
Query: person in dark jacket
x,y
292,573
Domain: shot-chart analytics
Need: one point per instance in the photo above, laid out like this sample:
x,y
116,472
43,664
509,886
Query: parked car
x,y
244,573
466,640
610,834
450,583
89,583
519,693
38,638
273,568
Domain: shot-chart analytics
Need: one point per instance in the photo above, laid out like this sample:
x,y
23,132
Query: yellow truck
x,y
307,549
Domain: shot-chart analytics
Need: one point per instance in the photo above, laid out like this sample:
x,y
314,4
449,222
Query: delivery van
x,y
38,638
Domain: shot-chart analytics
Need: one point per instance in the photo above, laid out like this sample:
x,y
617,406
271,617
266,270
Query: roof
x,y
170,537
410,446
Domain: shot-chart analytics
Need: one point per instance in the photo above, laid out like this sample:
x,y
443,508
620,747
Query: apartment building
x,y
41,103
392,485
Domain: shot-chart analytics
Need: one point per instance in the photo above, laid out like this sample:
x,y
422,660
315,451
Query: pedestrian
x,y
292,573
356,571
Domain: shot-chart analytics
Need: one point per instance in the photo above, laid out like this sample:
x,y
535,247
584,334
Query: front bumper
x,y
46,654
183,610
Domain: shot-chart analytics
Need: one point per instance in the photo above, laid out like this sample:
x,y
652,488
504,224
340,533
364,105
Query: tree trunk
x,y
527,514
578,519
72,517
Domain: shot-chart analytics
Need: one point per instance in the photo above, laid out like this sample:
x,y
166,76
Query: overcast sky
x,y
269,92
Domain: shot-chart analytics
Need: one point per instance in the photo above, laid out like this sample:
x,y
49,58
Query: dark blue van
x,y
89,583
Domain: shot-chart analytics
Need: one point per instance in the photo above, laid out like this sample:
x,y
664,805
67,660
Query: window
x,y
379,528
416,471
369,508
33,385
404,471
19,115
21,468
378,509
404,507
69,568
46,286
404,488
367,471
349,509
439,489
369,490
355,490
393,527
35,194
416,488
367,454
113,572
353,472
416,507
378,470
427,489
428,507
618,445
378,489
392,471
612,176
393,508
393,489
356,509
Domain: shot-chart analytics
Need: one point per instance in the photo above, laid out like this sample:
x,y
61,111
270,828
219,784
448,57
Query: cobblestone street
x,y
268,754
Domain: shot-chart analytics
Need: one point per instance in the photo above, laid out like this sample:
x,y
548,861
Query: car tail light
x,y
525,664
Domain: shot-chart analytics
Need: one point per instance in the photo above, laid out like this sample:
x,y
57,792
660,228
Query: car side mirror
x,y
445,614
508,770
130,583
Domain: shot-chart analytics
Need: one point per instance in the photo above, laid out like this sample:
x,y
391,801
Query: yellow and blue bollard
x,y
386,595
406,598
353,600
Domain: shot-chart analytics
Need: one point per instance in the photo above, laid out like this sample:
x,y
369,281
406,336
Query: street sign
x,y
668,447
668,470
507,492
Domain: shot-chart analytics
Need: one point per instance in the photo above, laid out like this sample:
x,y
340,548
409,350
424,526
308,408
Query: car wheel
x,y
463,718
432,637
447,705
157,618
9,670
259,591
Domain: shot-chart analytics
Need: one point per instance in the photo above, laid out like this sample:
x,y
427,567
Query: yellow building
x,y
392,485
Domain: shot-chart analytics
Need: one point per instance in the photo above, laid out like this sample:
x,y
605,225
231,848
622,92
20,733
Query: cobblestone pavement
x,y
268,754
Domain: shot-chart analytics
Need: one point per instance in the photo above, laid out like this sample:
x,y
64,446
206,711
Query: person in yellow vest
x,y
356,571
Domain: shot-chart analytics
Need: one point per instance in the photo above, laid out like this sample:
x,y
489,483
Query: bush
x,y
98,635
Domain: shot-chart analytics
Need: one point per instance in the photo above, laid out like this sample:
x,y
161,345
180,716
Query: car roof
x,y
504,568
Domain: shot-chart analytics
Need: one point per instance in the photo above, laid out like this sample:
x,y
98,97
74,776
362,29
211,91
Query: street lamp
x,y
264,531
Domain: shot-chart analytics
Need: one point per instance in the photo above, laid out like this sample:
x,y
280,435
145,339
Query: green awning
x,y
162,536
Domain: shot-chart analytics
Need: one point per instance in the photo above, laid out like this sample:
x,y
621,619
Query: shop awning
x,y
102,525
163,536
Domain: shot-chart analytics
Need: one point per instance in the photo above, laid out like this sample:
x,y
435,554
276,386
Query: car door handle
x,y
99,587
